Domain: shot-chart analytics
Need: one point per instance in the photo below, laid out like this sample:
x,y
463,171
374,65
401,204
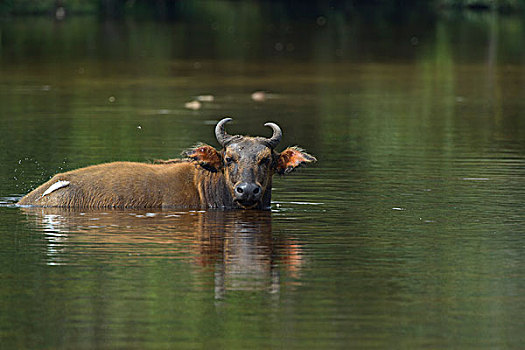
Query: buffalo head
x,y
248,164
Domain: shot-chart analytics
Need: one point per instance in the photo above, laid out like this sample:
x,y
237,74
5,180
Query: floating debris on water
x,y
427,221
475,179
259,96
60,13
205,98
112,99
398,208
193,105
321,21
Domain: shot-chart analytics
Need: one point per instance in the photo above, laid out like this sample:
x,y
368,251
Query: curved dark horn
x,y
221,134
277,135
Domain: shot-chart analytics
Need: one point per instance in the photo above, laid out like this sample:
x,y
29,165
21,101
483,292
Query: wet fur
x,y
179,184
202,181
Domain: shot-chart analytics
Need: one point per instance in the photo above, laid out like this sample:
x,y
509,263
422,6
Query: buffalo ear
x,y
206,156
291,158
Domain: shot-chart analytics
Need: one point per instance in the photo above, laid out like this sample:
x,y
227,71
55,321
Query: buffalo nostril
x,y
247,191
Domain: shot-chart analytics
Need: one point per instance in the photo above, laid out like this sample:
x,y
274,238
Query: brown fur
x,y
127,184
206,180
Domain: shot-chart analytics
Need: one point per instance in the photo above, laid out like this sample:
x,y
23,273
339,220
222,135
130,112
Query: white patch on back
x,y
57,185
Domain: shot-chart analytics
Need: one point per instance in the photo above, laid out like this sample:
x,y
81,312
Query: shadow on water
x,y
238,246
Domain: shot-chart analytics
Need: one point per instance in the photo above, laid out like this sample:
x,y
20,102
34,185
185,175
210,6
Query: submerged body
x,y
238,176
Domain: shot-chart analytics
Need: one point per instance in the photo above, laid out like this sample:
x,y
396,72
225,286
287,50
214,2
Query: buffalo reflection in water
x,y
238,245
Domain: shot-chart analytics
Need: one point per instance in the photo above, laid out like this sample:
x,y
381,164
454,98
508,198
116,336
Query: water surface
x,y
408,232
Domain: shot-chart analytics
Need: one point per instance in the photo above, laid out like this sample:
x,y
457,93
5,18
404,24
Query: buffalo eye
x,y
264,161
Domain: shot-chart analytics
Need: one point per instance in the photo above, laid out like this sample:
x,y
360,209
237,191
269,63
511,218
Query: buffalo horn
x,y
277,135
221,134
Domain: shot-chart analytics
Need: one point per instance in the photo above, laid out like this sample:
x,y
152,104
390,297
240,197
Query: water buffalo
x,y
237,177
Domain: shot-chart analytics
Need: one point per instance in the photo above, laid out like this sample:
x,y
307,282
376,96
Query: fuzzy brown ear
x,y
291,158
206,156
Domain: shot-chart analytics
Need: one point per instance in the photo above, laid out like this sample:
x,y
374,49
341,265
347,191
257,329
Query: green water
x,y
407,233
